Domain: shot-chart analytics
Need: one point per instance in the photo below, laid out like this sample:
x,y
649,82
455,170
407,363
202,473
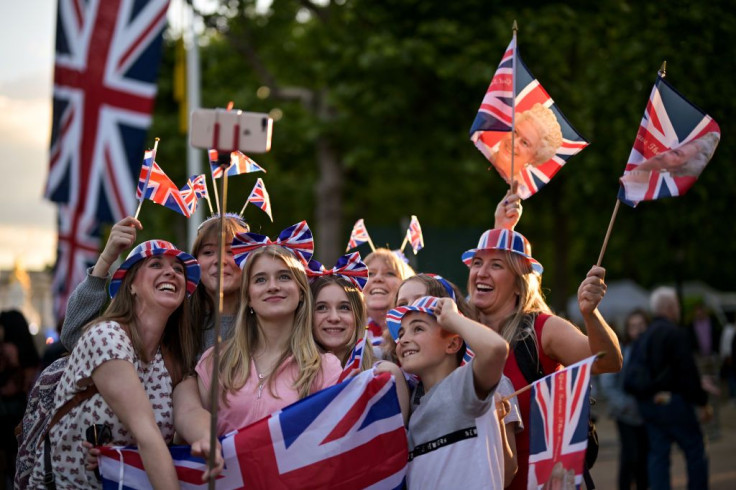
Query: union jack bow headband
x,y
296,238
350,267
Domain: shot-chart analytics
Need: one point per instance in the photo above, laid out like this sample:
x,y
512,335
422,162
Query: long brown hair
x,y
178,340
234,365
357,306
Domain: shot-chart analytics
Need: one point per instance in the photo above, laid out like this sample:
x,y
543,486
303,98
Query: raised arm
x,y
90,296
402,389
490,348
566,344
118,383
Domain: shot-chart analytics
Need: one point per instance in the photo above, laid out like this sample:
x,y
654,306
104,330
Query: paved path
x,y
721,453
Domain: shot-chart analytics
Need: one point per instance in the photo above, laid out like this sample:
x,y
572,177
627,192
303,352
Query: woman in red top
x,y
504,285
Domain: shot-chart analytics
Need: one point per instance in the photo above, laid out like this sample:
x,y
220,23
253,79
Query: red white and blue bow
x,y
350,267
296,238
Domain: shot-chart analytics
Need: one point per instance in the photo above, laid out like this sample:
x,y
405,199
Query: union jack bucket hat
x,y
425,304
152,248
503,239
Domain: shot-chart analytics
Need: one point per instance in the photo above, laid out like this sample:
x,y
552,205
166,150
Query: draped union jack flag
x,y
660,164
350,435
514,88
558,423
161,189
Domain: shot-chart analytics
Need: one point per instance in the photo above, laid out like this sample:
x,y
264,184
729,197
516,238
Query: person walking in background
x,y
19,365
704,335
662,374
624,409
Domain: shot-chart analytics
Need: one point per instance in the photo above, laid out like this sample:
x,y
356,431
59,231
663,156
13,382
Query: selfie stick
x,y
148,177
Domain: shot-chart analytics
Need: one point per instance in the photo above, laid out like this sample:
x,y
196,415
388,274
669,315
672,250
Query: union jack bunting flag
x,y
414,235
674,143
558,425
540,153
161,189
78,247
350,435
354,361
107,58
359,235
259,197
239,164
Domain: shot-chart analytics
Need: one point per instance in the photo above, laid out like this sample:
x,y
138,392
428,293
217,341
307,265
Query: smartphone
x,y
223,130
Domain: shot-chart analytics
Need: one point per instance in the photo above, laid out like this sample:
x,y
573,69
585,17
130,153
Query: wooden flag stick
x,y
214,186
529,386
403,244
148,177
608,233
243,210
209,203
370,242
515,30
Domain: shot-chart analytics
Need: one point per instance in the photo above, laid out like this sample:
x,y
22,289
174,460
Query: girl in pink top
x,y
271,360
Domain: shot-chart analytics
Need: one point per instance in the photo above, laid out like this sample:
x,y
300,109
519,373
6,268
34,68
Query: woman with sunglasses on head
x,y
89,297
339,308
126,367
271,360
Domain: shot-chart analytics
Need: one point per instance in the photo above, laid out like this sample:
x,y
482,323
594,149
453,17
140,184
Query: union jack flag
x,y
107,57
350,435
106,64
558,423
354,361
161,189
514,88
674,143
78,247
359,235
414,235
192,191
259,197
239,164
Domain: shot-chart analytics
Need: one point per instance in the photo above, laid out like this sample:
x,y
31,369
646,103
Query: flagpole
x,y
243,210
608,232
406,239
148,178
194,89
214,184
370,242
515,29
529,386
215,384
208,199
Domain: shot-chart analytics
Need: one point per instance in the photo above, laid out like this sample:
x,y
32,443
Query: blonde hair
x,y
401,268
549,130
357,306
529,302
234,365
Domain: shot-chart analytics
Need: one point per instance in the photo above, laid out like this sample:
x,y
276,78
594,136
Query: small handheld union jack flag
x,y
259,197
159,188
239,164
359,235
675,142
517,104
414,235
354,361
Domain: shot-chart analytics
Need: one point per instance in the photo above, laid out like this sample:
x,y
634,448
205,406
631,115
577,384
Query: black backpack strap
x,y
526,353
49,480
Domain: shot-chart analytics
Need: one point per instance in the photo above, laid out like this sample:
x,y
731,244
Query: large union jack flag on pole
x,y
107,58
558,426
347,436
514,91
674,143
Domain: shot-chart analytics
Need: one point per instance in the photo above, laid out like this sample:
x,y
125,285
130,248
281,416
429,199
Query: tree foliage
x,y
392,86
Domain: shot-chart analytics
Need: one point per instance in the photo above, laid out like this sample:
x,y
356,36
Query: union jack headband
x,y
425,304
445,284
350,267
152,248
503,239
296,238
